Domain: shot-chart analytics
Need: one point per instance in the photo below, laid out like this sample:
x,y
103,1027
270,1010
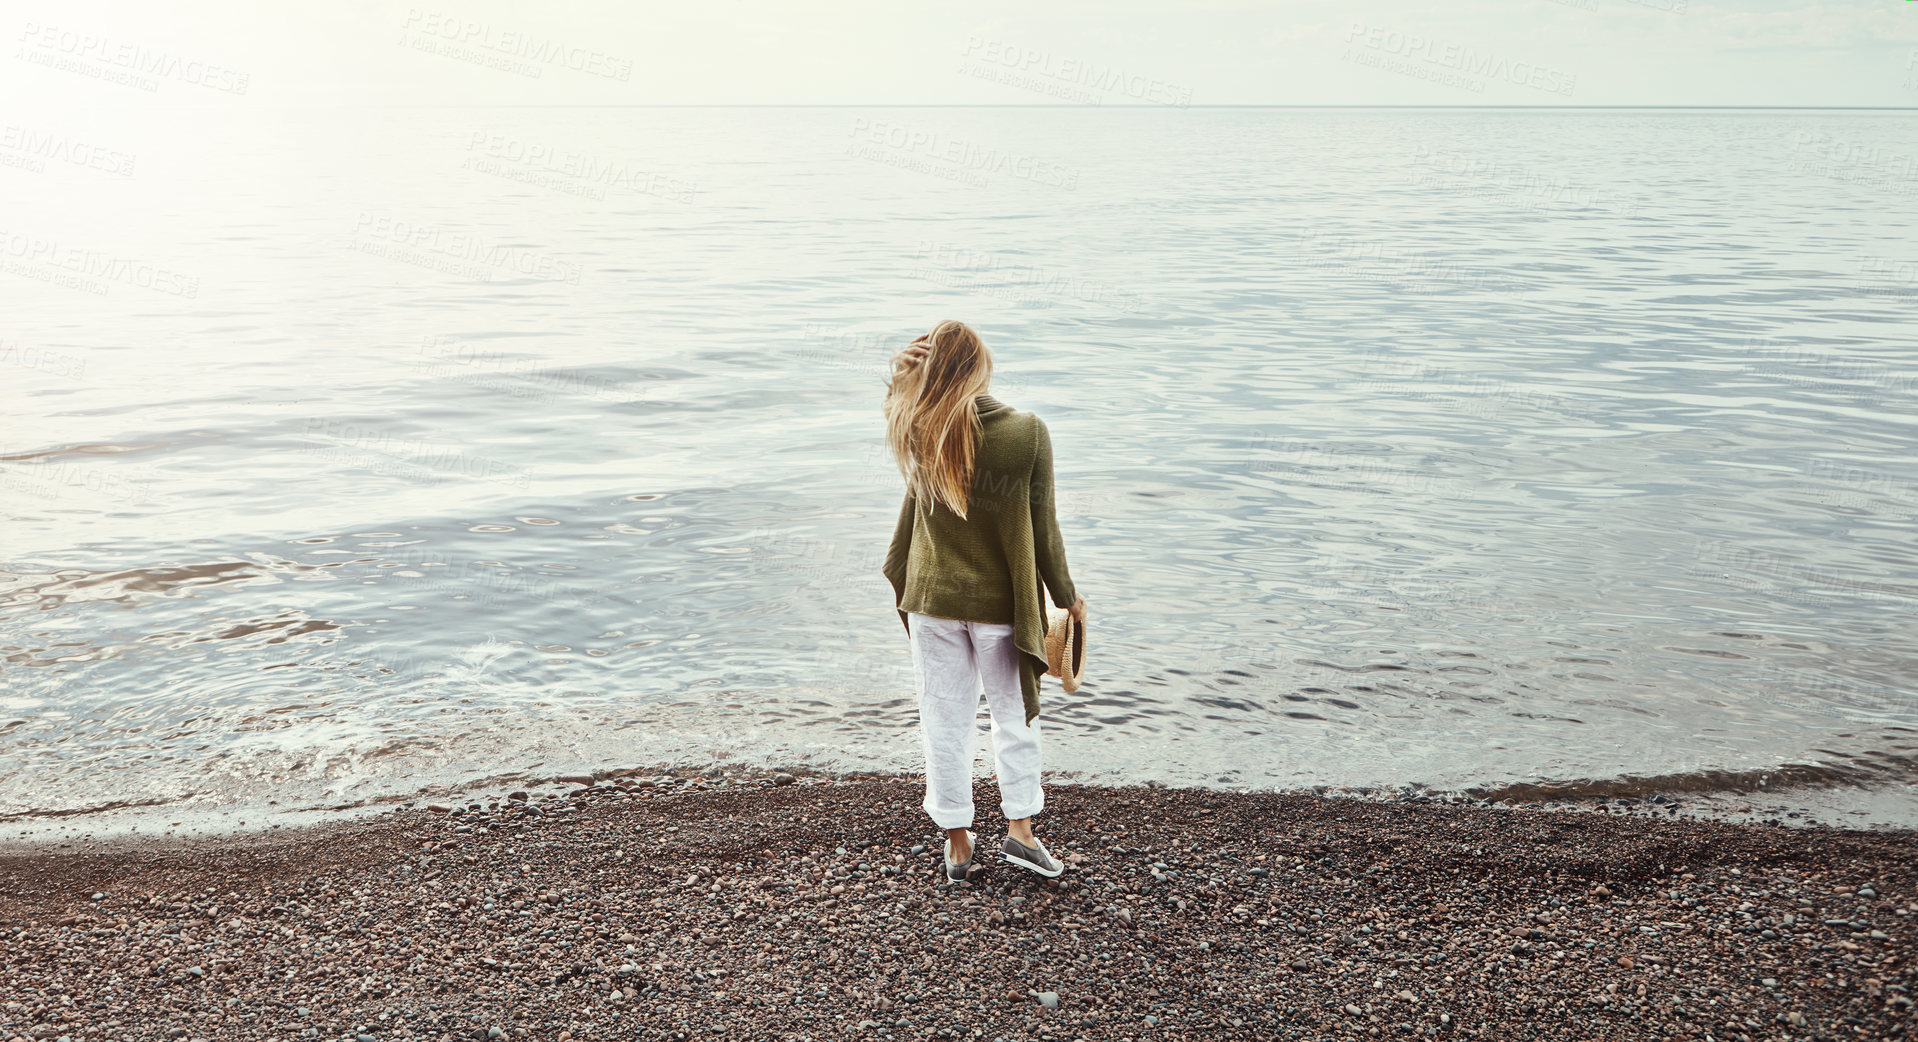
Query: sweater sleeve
x,y
896,555
1047,545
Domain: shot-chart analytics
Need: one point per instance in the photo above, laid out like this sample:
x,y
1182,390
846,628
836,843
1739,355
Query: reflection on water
x,y
1376,468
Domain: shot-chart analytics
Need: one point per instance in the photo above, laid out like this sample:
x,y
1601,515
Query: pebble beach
x,y
771,905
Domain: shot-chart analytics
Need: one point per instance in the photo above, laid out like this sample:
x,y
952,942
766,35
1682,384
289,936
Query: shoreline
x,y
816,908
1801,806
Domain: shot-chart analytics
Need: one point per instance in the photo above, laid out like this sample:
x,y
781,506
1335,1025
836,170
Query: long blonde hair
x,y
932,425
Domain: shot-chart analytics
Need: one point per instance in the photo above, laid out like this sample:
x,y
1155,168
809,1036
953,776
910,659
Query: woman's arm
x,y
1048,547
896,554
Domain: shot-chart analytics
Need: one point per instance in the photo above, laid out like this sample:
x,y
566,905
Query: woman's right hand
x,y
1078,609
912,354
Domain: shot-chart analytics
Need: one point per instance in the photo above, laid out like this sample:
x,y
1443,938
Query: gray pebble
x,y
1048,999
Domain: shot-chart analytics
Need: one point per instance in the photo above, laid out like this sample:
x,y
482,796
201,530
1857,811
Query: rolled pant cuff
x,y
1036,808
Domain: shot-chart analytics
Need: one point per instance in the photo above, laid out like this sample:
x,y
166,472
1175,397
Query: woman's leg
x,y
947,676
1015,744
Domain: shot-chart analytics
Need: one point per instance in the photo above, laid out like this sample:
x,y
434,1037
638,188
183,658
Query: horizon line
x,y
857,105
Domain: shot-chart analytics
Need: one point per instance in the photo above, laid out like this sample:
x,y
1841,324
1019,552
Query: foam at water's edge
x,y
1884,807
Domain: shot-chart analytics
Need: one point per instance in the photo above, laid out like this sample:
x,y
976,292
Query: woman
x,y
976,535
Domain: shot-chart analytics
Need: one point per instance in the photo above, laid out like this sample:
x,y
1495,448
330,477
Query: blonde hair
x,y
932,425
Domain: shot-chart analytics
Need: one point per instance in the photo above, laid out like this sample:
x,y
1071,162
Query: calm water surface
x,y
365,451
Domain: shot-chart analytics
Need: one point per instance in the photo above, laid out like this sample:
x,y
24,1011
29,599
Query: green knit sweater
x,y
987,567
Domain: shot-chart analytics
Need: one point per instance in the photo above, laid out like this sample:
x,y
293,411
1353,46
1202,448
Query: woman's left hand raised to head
x,y
910,355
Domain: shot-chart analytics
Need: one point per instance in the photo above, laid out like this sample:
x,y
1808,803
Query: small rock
x,y
570,779
1353,1010
519,796
1770,982
1048,999
1301,965
784,779
1865,891
99,897
439,808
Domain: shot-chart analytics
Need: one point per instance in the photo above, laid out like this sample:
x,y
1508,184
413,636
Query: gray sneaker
x,y
958,870
1036,859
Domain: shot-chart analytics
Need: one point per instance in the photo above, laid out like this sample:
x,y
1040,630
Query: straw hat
x,y
1065,643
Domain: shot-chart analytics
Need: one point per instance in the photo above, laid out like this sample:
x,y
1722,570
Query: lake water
x,y
352,452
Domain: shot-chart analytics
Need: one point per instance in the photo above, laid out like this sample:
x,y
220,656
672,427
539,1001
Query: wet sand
x,y
758,906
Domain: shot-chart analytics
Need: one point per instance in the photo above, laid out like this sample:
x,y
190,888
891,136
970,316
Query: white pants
x,y
953,662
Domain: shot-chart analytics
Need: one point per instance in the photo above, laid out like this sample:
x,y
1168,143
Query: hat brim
x,y
1065,648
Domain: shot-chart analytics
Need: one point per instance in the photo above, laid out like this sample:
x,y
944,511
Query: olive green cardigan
x,y
987,566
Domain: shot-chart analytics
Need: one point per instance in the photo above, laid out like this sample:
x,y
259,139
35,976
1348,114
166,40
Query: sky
x,y
135,56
